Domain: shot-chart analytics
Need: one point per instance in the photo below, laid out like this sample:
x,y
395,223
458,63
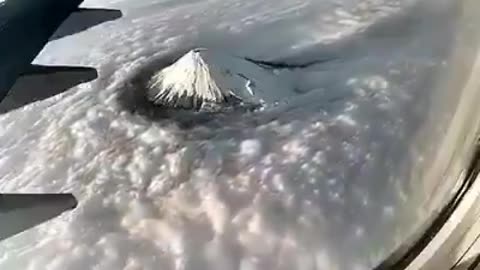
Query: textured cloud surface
x,y
329,180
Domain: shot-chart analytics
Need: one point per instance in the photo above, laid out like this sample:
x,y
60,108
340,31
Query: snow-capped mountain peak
x,y
201,77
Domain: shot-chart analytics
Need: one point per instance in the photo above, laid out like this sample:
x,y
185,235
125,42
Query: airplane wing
x,y
21,83
83,19
20,212
41,82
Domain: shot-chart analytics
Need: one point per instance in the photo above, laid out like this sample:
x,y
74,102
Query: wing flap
x,y
41,82
20,212
85,18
